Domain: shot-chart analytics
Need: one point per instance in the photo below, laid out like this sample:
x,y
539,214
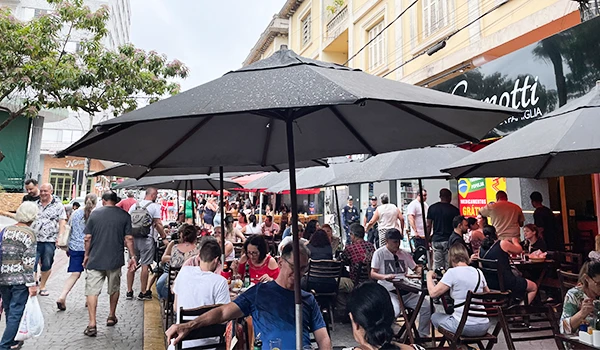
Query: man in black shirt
x,y
439,224
33,191
350,216
372,235
544,220
460,228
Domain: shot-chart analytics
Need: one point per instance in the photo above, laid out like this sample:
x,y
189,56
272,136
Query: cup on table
x,y
275,344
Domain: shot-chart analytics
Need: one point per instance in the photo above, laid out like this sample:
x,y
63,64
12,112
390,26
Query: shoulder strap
x,y
486,253
147,205
474,290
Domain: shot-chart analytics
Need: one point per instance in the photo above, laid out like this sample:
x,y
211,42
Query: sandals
x,y
90,331
61,305
111,321
17,346
43,293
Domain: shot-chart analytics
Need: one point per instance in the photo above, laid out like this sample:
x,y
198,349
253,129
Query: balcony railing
x,y
589,9
337,24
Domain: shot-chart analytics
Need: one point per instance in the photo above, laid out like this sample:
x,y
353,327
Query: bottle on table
x,y
247,276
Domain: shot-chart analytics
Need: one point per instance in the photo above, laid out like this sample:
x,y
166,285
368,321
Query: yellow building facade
x,y
466,33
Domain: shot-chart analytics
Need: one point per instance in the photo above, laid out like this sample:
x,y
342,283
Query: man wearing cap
x,y
350,216
125,204
372,234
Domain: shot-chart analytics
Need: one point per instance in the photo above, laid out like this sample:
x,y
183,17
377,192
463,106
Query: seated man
x,y
390,261
197,286
359,251
271,306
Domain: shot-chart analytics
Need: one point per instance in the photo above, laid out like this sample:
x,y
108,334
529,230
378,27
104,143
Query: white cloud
x,y
210,37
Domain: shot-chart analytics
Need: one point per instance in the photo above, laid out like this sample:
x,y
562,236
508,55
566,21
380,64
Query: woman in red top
x,y
263,268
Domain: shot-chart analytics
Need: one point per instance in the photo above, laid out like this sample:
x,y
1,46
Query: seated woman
x,y
494,249
311,227
459,279
232,234
229,249
578,306
319,246
533,241
476,234
253,228
335,241
372,316
242,221
176,254
263,268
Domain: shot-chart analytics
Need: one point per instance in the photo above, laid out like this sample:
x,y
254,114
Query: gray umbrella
x,y
192,182
313,177
563,143
256,115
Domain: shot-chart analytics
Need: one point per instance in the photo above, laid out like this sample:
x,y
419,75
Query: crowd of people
x,y
100,236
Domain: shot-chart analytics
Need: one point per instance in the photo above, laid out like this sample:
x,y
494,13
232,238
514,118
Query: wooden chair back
x,y
363,273
540,323
324,269
491,272
169,313
571,262
567,280
213,331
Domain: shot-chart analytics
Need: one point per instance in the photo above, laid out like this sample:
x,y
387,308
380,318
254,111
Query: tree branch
x,y
11,117
62,52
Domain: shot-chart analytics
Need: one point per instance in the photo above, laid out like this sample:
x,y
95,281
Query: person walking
x,y
107,231
387,216
350,216
145,243
126,204
372,235
76,250
439,223
415,220
50,222
33,191
17,281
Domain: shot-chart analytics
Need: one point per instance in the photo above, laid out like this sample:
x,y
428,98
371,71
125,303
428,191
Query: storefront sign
x,y
475,193
538,78
73,163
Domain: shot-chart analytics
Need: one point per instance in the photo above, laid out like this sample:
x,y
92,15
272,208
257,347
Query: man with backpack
x,y
146,226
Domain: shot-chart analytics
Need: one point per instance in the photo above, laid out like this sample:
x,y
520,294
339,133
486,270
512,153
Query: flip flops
x,y
61,305
43,293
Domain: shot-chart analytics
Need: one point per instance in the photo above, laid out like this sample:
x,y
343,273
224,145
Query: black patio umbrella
x,y
563,143
284,108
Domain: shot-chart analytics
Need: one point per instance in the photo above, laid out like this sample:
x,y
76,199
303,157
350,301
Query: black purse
x,y
448,301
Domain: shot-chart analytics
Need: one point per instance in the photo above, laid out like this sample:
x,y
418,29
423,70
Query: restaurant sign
x,y
476,193
536,79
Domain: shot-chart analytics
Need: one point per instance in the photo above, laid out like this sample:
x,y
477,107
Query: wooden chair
x,y
168,306
214,331
491,272
479,305
363,273
546,324
571,262
324,269
567,280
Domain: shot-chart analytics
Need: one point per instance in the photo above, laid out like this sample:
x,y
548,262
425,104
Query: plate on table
x,y
537,260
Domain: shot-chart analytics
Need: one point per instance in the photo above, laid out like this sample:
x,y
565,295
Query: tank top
x,y
496,253
252,230
388,216
178,258
257,272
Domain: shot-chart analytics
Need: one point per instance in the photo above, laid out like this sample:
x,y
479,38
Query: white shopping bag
x,y
32,322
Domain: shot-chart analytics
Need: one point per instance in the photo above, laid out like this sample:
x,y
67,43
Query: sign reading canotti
x,y
537,78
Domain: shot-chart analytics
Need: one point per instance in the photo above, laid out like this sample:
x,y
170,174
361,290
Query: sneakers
x,y
129,295
145,296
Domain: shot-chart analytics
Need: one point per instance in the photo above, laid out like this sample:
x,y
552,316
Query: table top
x,y
407,285
574,339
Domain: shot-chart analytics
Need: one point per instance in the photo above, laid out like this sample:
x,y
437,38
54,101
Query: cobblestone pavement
x,y
64,330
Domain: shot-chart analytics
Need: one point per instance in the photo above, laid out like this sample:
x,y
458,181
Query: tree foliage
x,y
38,72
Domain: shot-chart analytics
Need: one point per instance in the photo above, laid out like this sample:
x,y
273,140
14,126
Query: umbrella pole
x,y
185,200
222,215
193,204
296,240
424,216
260,205
339,216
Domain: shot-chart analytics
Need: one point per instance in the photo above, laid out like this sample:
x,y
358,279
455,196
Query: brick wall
x,y
68,163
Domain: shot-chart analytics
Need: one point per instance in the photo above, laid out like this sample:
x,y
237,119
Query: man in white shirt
x,y
145,246
197,286
389,262
269,228
415,220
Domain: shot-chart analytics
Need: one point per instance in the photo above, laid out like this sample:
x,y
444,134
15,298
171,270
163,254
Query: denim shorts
x,y
45,255
75,261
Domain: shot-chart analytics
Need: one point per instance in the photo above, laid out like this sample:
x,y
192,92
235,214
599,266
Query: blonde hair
x,y
458,253
90,203
27,212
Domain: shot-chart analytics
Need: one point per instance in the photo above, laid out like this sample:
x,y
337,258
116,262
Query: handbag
x,y
448,301
63,238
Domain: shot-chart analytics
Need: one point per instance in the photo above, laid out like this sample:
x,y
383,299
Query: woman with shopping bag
x,y
17,258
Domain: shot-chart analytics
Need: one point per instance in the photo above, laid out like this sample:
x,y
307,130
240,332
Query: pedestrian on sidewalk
x,y
439,225
146,245
50,222
17,280
107,231
76,250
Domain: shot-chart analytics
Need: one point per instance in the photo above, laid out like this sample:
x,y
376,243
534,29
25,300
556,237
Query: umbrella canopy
x,y
195,182
314,177
563,143
267,181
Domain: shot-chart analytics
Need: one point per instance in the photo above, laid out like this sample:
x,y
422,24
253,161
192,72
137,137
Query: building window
x,y
435,15
377,51
37,13
67,183
306,29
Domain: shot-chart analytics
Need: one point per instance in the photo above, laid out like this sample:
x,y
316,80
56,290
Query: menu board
x,y
475,193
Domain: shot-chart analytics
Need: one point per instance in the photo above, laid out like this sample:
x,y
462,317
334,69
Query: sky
x,y
211,37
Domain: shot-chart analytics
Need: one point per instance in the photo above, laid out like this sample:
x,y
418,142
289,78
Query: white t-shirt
x,y
153,209
383,260
462,279
414,208
388,216
194,288
251,230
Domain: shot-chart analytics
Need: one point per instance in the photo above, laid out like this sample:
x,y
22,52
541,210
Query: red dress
x,y
257,272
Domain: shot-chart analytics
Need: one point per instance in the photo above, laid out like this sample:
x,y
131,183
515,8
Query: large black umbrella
x,y
284,108
192,182
563,143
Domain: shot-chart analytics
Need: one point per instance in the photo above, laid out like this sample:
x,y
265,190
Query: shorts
x,y
45,255
94,280
75,261
144,249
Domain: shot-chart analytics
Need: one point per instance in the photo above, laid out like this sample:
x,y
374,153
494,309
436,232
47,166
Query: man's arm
x,y
61,228
412,222
322,338
218,315
521,218
374,219
375,275
429,226
86,242
160,228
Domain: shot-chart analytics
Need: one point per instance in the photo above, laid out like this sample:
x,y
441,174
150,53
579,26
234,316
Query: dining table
x,y
574,342
535,270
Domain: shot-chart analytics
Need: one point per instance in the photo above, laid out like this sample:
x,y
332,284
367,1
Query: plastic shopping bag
x,y
32,322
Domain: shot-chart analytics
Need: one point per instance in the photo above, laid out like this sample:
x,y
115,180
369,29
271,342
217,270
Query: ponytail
x,y
90,203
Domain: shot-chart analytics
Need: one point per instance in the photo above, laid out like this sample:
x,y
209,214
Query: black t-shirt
x,y
544,218
455,238
30,198
442,215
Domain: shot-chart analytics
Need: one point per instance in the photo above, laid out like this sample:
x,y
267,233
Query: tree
x,y
37,72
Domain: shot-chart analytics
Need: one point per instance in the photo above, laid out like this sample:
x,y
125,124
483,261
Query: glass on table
x,y
275,344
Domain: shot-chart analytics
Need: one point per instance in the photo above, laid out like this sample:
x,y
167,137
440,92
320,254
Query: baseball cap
x,y
350,198
373,198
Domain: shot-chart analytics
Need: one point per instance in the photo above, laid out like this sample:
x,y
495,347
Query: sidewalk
x,y
64,330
